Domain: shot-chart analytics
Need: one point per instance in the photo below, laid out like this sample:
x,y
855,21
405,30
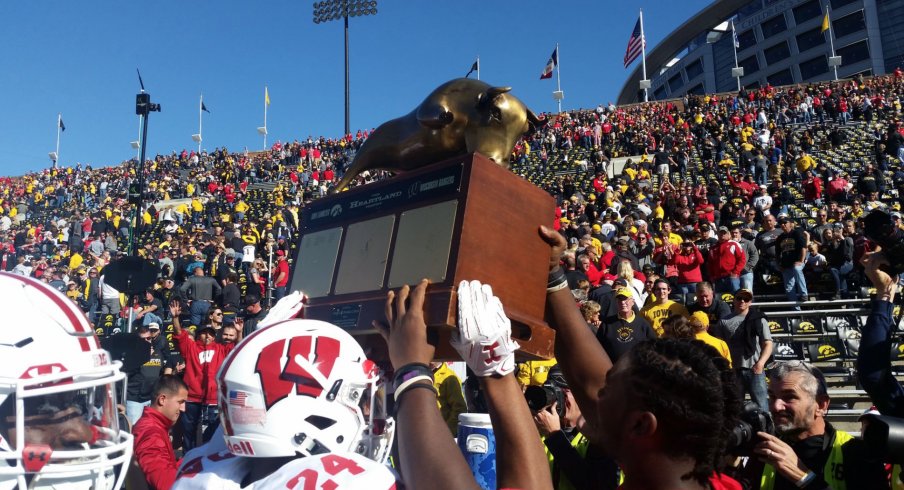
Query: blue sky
x,y
79,58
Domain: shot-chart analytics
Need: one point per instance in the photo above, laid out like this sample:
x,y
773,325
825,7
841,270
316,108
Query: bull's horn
x,y
493,92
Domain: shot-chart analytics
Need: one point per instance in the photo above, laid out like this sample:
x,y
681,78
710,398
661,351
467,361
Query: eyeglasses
x,y
743,300
217,313
774,366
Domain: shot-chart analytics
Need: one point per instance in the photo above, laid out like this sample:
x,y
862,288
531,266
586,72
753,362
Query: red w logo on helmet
x,y
302,365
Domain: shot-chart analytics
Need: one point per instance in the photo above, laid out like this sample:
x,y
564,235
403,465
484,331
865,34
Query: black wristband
x,y
426,386
398,400
556,277
409,371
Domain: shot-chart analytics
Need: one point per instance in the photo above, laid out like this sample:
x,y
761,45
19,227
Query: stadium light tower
x,y
328,10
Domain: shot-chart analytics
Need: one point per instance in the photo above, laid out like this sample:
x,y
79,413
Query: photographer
x,y
573,461
806,452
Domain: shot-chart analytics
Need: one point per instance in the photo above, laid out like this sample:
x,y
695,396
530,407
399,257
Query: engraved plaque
x,y
440,222
363,263
423,244
316,261
346,316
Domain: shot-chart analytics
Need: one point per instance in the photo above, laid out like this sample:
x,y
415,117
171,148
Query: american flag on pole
x,y
237,398
550,65
635,44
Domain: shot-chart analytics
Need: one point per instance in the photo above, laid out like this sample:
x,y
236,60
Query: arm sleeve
x,y
874,361
569,461
753,256
154,460
740,260
186,345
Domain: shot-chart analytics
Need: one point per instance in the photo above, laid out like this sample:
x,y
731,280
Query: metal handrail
x,y
812,303
806,313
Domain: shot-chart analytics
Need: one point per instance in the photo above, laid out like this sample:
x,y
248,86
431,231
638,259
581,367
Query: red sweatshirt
x,y
688,266
153,449
726,259
201,365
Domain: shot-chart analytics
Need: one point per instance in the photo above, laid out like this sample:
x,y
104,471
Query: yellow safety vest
x,y
833,473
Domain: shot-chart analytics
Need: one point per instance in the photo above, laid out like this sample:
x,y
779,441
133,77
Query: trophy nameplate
x,y
462,219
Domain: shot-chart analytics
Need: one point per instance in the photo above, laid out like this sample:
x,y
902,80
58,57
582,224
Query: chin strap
x,y
35,456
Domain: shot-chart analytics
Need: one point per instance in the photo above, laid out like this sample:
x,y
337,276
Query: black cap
x,y
251,299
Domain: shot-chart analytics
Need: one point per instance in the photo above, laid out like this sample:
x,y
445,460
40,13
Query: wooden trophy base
x,y
466,218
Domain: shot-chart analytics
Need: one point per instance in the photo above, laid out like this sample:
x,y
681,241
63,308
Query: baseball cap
x,y
700,317
744,294
280,253
724,228
783,219
153,326
623,293
251,299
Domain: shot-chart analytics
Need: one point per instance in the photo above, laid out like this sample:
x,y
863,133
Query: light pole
x,y
328,10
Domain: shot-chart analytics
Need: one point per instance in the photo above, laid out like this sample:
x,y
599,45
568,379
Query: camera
x,y
884,437
743,436
144,106
540,397
879,227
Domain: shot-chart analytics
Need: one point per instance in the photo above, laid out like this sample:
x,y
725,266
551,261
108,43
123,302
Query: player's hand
x,y
406,333
286,308
484,335
557,245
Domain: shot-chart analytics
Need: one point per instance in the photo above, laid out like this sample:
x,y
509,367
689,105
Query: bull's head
x,y
501,120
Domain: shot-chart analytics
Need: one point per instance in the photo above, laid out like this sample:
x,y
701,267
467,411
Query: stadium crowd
x,y
722,199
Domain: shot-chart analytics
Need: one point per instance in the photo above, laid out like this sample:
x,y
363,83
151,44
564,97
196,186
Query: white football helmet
x,y
58,395
302,387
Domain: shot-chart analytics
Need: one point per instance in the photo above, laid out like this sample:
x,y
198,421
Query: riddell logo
x,y
243,447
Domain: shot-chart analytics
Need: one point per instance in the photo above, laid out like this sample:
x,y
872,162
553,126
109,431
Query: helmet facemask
x,y
62,429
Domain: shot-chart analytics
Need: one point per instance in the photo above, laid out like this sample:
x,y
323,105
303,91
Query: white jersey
x,y
213,467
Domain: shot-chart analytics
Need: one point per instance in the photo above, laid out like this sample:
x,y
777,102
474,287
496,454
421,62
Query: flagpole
x,y
558,75
734,45
831,40
266,95
478,67
59,124
200,123
643,60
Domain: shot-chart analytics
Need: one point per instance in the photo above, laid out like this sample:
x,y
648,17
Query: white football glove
x,y
285,309
484,334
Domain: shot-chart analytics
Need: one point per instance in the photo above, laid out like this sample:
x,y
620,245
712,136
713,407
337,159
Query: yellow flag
x,y
267,94
825,23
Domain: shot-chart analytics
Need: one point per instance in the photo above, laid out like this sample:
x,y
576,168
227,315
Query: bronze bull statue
x,y
461,116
